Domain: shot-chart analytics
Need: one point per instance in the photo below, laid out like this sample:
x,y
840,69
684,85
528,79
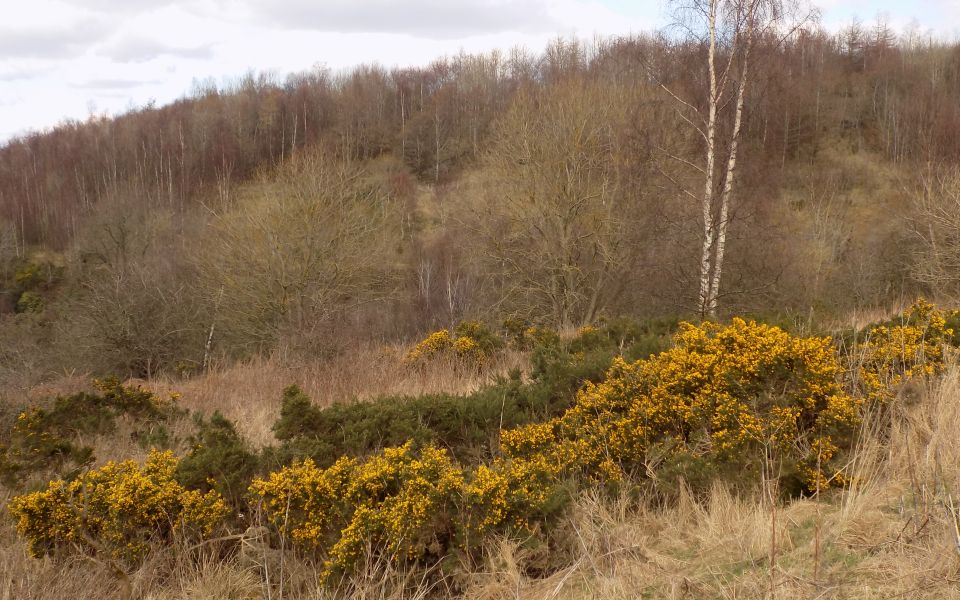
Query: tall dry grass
x,y
250,393
893,533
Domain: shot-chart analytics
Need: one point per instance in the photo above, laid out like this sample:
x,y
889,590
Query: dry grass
x,y
893,534
250,393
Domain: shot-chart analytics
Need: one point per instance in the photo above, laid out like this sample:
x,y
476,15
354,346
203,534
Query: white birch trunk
x,y
721,236
707,202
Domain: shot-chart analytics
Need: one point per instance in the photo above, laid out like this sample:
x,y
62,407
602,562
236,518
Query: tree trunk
x,y
707,202
731,171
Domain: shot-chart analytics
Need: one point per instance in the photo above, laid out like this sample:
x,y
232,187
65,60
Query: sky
x,y
70,59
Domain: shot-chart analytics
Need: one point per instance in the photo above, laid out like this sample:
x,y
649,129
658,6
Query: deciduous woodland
x,y
652,316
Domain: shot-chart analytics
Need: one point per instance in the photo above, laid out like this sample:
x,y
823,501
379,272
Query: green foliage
x,y
515,330
588,355
219,460
49,439
467,425
485,338
30,281
471,344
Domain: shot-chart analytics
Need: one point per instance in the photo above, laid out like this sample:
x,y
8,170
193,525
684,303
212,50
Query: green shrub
x,y
468,426
515,331
220,460
485,338
49,439
472,344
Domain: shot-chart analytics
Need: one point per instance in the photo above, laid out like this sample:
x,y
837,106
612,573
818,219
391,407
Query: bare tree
x,y
937,225
553,210
304,244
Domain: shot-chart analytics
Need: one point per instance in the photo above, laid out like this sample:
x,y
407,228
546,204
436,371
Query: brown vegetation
x,y
263,234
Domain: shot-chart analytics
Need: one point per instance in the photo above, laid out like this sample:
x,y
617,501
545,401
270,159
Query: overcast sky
x,y
67,58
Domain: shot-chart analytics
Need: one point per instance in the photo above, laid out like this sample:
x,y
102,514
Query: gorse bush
x,y
30,302
588,355
471,343
731,393
32,279
737,394
486,340
401,501
50,439
402,504
218,460
913,344
116,511
510,495
417,480
467,425
40,273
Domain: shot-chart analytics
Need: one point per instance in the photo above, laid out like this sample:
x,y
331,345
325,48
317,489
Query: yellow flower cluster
x,y
720,391
402,503
117,509
735,394
433,345
440,343
400,500
509,492
587,330
914,345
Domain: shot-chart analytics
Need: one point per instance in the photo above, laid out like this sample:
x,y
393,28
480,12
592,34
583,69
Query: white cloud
x,y
435,19
142,49
51,42
113,84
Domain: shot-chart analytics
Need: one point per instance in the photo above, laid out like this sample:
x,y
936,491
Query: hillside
x,y
513,325
122,237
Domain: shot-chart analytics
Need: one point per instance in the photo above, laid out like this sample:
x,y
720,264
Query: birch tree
x,y
730,31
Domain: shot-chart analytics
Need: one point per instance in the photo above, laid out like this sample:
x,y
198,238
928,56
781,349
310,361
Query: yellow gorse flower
x,y
728,393
463,347
913,347
399,499
720,391
118,509
433,345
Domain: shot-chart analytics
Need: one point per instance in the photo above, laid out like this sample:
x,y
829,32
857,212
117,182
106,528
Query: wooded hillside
x,y
558,187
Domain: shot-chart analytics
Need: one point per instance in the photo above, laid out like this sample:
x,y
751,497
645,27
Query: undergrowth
x,y
423,481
